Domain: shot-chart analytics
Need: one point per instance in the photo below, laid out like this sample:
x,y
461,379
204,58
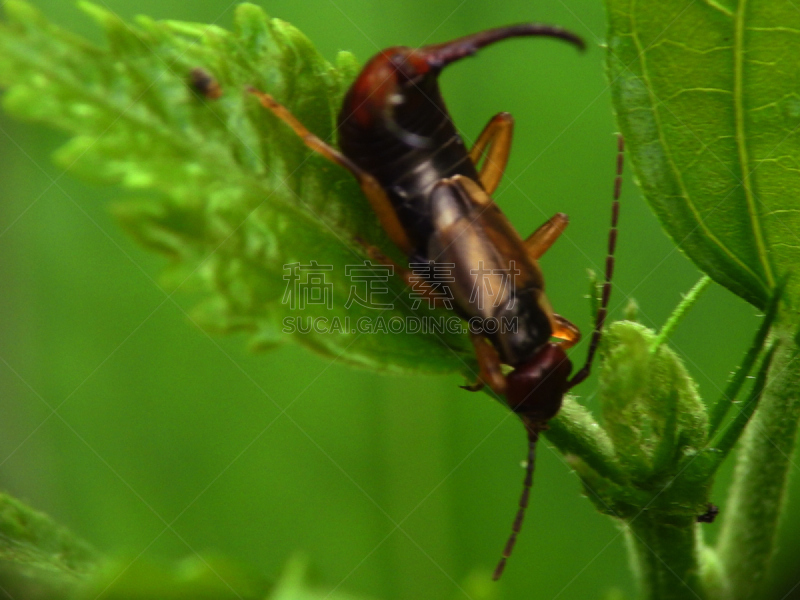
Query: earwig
x,y
433,200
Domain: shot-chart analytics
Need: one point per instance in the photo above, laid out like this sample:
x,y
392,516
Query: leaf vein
x,y
741,142
723,9
640,52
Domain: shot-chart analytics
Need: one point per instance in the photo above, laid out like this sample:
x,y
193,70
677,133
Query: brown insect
x,y
433,199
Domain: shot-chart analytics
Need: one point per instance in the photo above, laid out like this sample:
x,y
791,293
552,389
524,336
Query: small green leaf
x,y
706,96
40,548
235,195
650,406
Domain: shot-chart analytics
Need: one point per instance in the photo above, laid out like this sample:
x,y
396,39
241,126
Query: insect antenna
x,y
612,245
533,437
534,428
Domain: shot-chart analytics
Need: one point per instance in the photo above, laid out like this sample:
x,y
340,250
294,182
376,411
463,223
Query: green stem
x,y
720,409
665,557
727,438
747,540
686,303
574,431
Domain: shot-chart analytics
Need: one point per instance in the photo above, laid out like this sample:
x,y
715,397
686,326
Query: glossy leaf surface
x,y
706,96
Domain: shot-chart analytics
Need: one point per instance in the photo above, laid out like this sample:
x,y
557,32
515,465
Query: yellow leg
x,y
369,185
491,372
540,240
566,331
495,143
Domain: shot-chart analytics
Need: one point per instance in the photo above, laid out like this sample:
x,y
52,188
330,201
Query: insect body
x,y
434,202
394,125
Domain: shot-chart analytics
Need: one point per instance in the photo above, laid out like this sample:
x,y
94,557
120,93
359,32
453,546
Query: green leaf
x,y
40,548
235,196
706,96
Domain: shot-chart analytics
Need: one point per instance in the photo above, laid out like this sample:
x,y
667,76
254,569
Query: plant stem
x,y
686,303
574,431
756,498
665,557
723,405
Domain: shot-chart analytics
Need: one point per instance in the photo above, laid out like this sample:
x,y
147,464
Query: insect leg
x,y
491,372
369,185
545,236
424,289
495,143
565,330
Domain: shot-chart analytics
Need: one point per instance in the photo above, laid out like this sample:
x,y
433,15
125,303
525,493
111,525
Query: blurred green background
x,y
166,442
